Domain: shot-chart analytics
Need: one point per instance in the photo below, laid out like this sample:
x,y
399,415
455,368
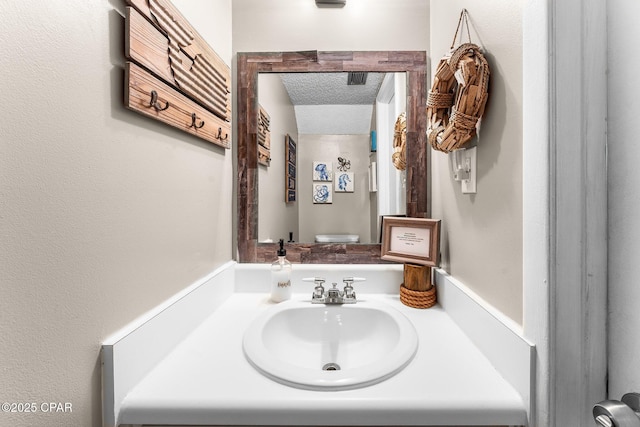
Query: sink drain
x,y
331,367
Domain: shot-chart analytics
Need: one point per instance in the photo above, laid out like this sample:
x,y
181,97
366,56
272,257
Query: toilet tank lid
x,y
337,238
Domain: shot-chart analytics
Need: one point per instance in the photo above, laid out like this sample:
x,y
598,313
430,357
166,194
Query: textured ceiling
x,y
330,88
325,104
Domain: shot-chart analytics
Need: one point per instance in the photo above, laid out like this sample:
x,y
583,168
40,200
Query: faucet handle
x,y
318,290
349,293
351,280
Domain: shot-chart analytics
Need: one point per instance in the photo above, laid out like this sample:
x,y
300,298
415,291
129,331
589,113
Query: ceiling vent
x,y
356,78
331,2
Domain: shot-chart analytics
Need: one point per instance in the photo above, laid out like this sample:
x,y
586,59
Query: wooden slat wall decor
x,y
414,63
264,156
167,47
171,107
264,129
290,169
264,137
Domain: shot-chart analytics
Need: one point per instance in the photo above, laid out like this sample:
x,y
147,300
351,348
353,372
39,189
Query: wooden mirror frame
x,y
413,63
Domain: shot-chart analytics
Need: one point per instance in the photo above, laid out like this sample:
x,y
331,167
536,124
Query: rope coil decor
x,y
418,299
399,156
458,94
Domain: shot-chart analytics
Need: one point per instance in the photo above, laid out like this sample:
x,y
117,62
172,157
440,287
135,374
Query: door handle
x,y
604,421
614,413
632,400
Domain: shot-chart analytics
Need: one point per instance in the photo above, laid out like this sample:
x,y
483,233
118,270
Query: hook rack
x,y
219,136
193,122
155,103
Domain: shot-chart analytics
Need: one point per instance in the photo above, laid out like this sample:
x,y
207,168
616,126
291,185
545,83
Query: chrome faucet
x,y
333,295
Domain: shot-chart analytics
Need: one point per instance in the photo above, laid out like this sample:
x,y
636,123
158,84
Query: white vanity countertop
x,y
206,380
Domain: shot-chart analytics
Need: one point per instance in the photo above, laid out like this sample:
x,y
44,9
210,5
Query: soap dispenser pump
x,y
281,276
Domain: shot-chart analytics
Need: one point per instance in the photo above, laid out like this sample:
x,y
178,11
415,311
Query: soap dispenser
x,y
281,276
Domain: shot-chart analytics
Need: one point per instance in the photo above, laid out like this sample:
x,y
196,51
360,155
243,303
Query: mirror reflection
x,y
343,127
250,155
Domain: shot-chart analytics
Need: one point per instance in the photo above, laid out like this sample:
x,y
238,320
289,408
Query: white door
x,y
391,101
624,199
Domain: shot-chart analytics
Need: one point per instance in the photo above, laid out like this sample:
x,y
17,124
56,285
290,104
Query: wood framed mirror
x,y
249,65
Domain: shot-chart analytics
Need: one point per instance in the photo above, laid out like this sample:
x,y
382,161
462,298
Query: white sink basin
x,y
330,347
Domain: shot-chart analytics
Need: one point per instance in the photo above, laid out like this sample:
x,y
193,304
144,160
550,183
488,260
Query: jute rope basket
x,y
418,299
399,156
458,95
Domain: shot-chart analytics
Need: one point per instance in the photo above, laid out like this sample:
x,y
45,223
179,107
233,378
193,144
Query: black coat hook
x,y
193,122
219,136
155,104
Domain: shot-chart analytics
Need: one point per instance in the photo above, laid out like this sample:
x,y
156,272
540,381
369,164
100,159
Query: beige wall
x,y
103,213
349,212
285,25
482,233
275,217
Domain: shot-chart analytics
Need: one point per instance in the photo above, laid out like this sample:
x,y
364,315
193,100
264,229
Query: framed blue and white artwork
x,y
322,171
344,182
322,193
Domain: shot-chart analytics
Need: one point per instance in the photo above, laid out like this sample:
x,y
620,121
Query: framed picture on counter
x,y
411,240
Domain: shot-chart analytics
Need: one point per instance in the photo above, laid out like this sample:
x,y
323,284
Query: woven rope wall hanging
x,y
458,94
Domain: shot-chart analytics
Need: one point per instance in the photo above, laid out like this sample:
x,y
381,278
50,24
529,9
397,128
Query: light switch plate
x,y
471,160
